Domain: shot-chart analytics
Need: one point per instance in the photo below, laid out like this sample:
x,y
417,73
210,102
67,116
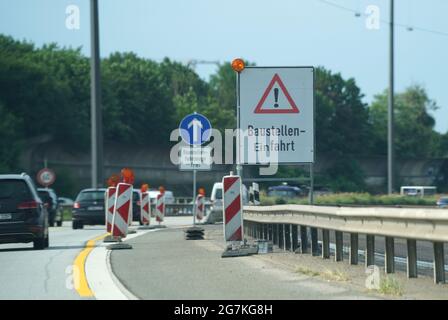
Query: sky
x,y
269,33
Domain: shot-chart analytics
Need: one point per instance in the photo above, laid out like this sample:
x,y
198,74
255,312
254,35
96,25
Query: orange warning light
x,y
201,191
162,189
144,187
238,65
113,180
127,175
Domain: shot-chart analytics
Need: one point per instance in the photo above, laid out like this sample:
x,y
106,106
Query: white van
x,y
216,199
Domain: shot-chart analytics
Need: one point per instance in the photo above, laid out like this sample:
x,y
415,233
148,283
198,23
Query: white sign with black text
x,y
276,115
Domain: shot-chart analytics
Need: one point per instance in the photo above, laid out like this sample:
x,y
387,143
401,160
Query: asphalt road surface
x,y
43,274
163,265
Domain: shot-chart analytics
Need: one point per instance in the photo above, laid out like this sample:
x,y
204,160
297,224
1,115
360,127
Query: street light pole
x,y
390,124
95,108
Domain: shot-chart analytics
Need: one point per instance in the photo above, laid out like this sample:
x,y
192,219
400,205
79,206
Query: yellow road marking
x,y
79,274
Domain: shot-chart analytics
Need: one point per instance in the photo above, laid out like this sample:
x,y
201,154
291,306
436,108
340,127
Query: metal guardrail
x,y
285,224
181,209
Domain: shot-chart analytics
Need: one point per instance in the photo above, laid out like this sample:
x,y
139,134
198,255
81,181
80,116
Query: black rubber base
x,y
194,233
119,246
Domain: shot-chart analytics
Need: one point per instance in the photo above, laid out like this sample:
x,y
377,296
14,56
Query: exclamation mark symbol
x,y
276,97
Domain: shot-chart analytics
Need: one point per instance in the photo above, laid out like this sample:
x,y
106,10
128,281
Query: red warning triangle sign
x,y
276,103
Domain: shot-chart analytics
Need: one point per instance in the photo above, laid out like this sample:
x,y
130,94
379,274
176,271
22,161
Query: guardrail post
x,y
276,234
281,237
325,244
354,248
439,263
294,237
389,260
303,239
370,250
287,236
314,242
338,256
251,230
412,258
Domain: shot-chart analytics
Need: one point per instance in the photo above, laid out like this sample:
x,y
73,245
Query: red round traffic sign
x,y
46,177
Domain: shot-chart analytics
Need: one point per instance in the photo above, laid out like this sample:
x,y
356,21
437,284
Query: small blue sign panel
x,y
195,129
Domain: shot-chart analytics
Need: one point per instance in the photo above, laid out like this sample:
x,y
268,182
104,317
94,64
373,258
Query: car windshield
x,y
91,196
14,189
218,194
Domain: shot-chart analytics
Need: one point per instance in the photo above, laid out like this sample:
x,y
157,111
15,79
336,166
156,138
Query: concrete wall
x,y
153,166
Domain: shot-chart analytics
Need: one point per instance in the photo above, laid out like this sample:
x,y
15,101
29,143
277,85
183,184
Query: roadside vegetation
x,y
340,199
45,94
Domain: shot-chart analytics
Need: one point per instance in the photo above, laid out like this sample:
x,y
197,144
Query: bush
x,y
362,199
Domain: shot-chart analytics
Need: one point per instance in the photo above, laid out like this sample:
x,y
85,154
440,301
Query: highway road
x,y
43,274
161,265
48,274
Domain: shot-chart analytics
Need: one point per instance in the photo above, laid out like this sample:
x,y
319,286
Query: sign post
x,y
195,130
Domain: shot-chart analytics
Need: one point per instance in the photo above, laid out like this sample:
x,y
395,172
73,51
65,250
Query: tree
x,y
342,126
413,125
10,140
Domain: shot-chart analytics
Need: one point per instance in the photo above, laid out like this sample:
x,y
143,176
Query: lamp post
x,y
95,107
390,109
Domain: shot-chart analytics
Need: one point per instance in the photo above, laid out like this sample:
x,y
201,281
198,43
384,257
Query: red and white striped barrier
x,y
232,209
122,210
145,211
160,207
110,203
200,205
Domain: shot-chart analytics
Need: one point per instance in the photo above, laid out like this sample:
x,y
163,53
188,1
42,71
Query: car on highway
x,y
49,197
284,191
65,202
23,215
442,202
88,208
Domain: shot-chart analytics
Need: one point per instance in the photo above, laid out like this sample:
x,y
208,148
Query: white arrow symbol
x,y
197,126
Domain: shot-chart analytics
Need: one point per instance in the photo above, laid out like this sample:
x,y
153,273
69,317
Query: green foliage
x,y
341,116
66,184
10,140
346,176
362,199
414,126
47,91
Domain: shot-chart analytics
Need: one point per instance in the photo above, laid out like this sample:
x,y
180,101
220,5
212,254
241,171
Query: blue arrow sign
x,y
195,129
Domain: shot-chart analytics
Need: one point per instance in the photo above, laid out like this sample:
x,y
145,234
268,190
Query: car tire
x,y
47,241
39,244
80,225
74,224
59,223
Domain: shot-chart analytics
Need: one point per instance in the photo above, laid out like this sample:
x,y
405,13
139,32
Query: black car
x,y
284,191
23,215
88,208
49,197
